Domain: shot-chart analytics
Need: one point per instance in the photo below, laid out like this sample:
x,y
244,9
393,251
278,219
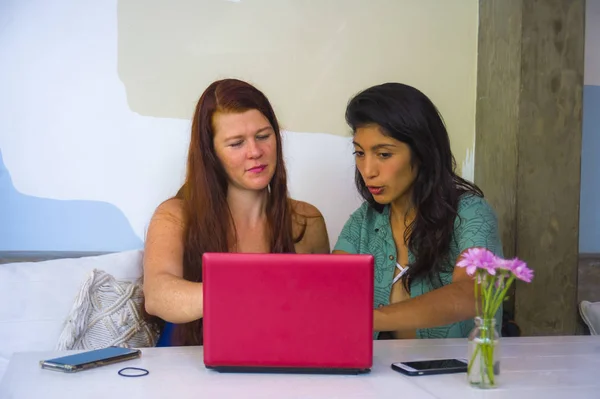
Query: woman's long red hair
x,y
208,222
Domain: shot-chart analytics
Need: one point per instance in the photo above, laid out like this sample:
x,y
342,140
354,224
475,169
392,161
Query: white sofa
x,y
37,297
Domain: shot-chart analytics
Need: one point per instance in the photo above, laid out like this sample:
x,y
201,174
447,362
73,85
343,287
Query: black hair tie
x,y
143,372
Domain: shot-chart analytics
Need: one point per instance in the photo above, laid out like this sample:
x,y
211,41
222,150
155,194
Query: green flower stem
x,y
499,298
476,296
475,352
487,294
489,356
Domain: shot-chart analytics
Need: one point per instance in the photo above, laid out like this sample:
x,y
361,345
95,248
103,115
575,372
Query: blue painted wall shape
x,y
589,220
40,224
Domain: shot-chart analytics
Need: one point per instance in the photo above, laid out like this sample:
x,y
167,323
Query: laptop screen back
x,y
288,310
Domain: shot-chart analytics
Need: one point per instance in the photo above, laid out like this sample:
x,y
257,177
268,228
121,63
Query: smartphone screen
x,y
92,356
437,364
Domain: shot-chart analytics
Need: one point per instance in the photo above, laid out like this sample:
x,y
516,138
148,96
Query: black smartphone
x,y
428,367
90,359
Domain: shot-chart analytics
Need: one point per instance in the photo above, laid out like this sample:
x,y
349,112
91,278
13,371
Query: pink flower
x,y
478,258
504,264
508,264
522,272
518,268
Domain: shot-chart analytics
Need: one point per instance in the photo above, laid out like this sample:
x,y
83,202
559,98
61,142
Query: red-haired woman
x,y
234,199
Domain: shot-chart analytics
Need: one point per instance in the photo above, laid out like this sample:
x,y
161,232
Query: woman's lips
x,y
375,190
257,169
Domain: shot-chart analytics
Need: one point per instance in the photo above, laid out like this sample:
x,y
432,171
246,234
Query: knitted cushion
x,y
107,312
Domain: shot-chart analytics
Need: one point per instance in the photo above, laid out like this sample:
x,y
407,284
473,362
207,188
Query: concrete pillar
x,y
528,147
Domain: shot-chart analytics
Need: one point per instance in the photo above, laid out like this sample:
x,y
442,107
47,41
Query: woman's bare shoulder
x,y
171,209
305,209
309,224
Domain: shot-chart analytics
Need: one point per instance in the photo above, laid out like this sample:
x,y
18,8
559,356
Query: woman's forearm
x,y
449,304
173,299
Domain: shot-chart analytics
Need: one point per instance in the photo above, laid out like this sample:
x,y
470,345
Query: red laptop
x,y
288,312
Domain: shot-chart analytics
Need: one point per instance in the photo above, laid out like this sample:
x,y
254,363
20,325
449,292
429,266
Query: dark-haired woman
x,y
418,215
235,199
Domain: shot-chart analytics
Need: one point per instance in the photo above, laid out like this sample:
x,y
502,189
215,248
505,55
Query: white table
x,y
541,367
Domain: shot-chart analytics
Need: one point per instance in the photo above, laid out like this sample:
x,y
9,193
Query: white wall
x,y
86,154
78,169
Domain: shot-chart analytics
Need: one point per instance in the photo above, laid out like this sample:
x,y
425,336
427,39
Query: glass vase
x,y
483,354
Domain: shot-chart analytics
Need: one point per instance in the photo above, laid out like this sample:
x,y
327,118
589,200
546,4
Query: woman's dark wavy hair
x,y
407,115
